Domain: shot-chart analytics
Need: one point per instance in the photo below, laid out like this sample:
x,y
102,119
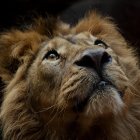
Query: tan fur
x,y
41,93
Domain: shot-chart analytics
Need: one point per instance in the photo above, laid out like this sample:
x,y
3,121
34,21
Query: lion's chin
x,y
106,100
108,103
102,99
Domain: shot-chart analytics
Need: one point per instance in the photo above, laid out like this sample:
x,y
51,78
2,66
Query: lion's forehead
x,y
71,42
81,36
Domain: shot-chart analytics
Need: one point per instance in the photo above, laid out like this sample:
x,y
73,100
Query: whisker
x,y
61,116
46,109
135,90
52,117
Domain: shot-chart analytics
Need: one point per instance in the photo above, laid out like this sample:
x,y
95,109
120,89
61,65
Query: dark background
x,y
126,13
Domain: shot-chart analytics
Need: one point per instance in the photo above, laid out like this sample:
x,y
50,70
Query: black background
x,y
126,13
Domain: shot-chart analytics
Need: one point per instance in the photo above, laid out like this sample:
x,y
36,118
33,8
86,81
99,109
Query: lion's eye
x,y
100,43
52,55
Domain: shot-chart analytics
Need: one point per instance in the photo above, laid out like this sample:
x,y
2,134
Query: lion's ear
x,y
16,47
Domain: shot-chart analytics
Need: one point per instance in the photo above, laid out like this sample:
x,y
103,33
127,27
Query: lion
x,y
69,83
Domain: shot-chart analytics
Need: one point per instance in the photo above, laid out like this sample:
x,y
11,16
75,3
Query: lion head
x,y
81,83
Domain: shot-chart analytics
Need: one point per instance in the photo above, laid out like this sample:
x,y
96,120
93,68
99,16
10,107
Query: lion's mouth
x,y
97,89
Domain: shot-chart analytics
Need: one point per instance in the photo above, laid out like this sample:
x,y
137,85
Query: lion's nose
x,y
94,58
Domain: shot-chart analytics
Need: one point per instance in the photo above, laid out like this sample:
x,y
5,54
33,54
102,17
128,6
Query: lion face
x,y
79,75
82,78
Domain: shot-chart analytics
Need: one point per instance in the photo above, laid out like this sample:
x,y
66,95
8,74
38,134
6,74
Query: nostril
x,y
94,59
106,58
86,61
